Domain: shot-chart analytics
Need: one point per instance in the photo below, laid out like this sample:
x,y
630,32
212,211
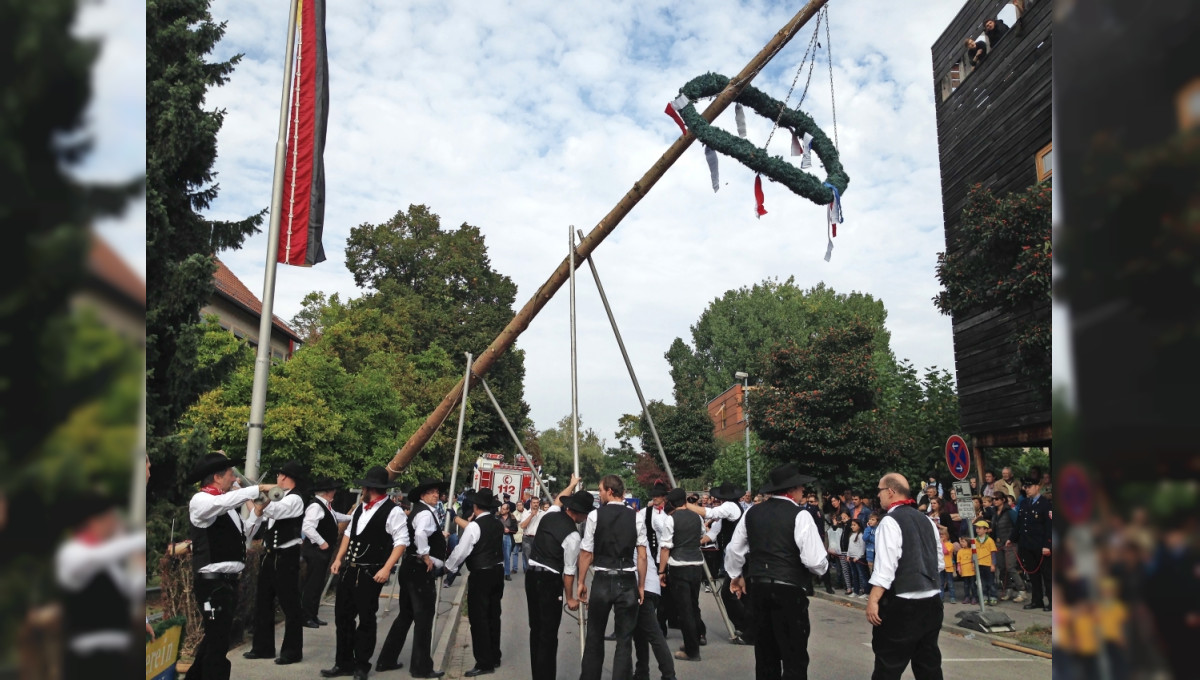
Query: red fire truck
x,y
514,479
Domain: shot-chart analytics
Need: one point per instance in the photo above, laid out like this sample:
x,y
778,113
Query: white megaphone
x,y
275,493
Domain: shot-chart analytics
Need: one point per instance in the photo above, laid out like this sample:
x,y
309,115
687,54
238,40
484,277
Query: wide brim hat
x,y
580,501
376,478
727,492
785,477
85,506
676,497
483,498
426,484
659,489
325,484
294,470
211,463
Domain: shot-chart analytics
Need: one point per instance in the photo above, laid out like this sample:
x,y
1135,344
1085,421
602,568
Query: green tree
x,y
919,414
730,465
687,437
181,137
558,458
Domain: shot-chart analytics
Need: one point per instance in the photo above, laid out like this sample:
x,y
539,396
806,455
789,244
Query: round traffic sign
x,y
958,458
1074,493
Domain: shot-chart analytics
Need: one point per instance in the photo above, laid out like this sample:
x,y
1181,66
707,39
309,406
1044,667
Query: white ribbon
x,y
680,102
739,115
806,160
710,155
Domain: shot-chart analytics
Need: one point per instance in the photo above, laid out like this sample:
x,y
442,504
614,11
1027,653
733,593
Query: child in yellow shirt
x,y
966,571
948,549
984,547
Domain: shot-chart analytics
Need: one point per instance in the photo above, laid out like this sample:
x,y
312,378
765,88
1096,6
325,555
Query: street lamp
x,y
745,378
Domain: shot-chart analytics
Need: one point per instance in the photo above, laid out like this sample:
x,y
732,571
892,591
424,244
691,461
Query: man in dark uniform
x,y
905,603
218,537
681,569
279,573
611,534
481,548
1033,543
375,541
553,560
418,586
650,632
725,517
320,529
783,549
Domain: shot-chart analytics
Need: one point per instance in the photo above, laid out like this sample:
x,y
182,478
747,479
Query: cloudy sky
x,y
525,118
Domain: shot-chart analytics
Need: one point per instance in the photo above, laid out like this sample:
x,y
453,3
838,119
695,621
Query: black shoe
x,y
285,660
381,667
311,623
829,590
320,622
738,640
479,671
430,674
1046,608
507,577
361,674
703,640
255,655
610,637
336,672
1035,605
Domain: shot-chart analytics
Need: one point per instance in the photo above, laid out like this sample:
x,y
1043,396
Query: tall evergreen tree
x,y
181,137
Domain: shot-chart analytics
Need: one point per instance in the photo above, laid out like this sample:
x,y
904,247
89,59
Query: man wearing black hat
x,y
649,633
1034,531
279,572
375,541
418,595
725,518
610,536
681,569
784,550
481,548
553,562
656,512
320,529
218,537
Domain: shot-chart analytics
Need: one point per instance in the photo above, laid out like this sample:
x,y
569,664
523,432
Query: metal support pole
x,y
653,431
513,434
462,418
746,426
262,361
575,404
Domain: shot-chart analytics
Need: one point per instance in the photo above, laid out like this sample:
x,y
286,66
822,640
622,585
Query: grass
x,y
1035,636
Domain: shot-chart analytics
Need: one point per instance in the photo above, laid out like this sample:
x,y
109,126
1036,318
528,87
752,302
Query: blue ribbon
x,y
837,203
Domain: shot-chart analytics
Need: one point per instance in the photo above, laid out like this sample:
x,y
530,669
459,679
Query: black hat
x,y
376,478
294,470
211,463
659,489
426,484
324,484
1031,482
580,501
726,492
84,506
785,477
483,499
676,497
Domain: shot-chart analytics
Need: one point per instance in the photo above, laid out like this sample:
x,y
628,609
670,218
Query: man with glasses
x,y
905,604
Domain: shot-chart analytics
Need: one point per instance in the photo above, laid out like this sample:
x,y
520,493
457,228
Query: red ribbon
x,y
758,196
834,226
906,501
676,117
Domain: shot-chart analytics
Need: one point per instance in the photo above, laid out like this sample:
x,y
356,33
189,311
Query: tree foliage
x,y
558,459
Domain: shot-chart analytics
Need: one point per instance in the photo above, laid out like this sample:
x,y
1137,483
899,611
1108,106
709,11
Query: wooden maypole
x,y
523,318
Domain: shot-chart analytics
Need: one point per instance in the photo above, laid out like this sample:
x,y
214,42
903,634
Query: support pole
x,y
516,440
746,427
612,320
602,229
462,418
262,361
575,406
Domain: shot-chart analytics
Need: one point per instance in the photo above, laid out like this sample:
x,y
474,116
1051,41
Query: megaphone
x,y
274,494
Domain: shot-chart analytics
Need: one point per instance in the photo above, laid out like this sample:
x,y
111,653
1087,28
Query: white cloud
x,y
523,118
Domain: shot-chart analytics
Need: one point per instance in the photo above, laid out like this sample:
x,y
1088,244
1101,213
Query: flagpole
x,y
262,361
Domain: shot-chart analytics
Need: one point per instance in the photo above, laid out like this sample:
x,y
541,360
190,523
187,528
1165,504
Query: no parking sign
x,y
958,458
1074,493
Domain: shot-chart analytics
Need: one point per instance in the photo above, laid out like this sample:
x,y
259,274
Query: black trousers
x,y
417,600
781,638
357,598
314,581
485,589
647,637
612,592
684,584
1037,568
734,607
909,632
544,598
279,577
217,601
102,663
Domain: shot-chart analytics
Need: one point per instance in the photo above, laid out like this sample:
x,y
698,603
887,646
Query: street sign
x,y
958,458
962,493
1074,492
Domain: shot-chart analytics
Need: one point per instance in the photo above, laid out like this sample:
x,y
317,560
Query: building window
x,y
1188,105
1045,162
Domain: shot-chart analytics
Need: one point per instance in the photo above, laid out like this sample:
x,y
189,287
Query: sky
x,y
524,119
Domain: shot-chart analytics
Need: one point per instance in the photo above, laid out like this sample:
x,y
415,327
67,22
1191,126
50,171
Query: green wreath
x,y
774,167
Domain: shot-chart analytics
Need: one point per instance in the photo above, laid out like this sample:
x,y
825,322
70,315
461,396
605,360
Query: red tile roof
x,y
107,266
231,288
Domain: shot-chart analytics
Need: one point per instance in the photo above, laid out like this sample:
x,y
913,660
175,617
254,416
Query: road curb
x,y
450,629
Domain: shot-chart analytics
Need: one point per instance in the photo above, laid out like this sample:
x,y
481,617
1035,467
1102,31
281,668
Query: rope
x,y
1041,558
829,54
811,43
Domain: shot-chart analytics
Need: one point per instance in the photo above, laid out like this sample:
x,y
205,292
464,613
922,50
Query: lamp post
x,y
746,420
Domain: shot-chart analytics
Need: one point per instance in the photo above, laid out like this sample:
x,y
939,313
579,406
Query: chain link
x,y
829,54
811,43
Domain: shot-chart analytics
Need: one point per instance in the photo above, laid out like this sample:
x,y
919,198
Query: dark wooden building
x,y
994,127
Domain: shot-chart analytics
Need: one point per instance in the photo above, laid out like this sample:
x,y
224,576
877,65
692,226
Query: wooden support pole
x,y
523,318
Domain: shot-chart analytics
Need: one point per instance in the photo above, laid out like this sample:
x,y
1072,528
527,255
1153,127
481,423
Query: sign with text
x,y
958,458
962,492
161,655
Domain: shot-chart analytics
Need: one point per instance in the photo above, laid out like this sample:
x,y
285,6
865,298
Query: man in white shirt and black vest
x,y
553,561
778,545
481,548
611,534
905,604
418,588
725,518
681,569
375,541
320,529
648,634
219,538
279,572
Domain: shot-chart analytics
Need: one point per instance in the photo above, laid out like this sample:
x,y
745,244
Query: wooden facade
x,y
994,128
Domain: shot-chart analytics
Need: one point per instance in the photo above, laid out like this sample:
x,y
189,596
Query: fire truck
x,y
514,479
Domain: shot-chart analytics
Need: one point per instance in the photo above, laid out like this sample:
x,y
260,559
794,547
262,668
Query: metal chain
x,y
811,43
832,99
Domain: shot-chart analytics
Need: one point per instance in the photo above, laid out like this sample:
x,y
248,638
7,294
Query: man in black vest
x,y
320,529
905,604
553,561
481,548
784,550
279,573
610,536
418,589
1034,533
649,634
218,537
725,517
375,541
681,569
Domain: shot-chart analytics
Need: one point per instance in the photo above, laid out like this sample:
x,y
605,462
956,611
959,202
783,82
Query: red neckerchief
x,y
368,506
87,538
906,501
211,490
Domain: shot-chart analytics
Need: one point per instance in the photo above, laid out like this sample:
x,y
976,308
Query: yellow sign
x,y
161,655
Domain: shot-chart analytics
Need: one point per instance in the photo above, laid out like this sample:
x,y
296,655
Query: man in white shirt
x,y
481,549
320,530
681,569
279,572
529,524
553,564
650,633
724,518
219,538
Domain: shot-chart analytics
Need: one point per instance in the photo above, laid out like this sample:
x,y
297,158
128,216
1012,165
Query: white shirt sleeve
x,y
204,508
588,543
425,525
726,510
736,551
570,547
287,507
77,562
888,548
466,543
640,521
713,530
666,532
397,526
808,540
312,515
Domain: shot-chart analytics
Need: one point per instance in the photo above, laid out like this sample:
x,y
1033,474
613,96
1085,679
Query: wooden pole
x,y
523,318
